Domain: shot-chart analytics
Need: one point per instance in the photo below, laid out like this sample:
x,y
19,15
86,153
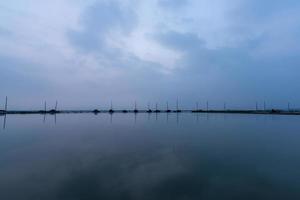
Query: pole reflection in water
x,y
4,122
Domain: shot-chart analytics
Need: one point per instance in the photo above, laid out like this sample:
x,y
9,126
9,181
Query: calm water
x,y
159,157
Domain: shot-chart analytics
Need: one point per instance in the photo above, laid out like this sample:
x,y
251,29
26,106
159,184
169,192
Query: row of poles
x,y
149,109
197,106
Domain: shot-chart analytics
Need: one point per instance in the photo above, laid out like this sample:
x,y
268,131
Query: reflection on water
x,y
4,122
149,156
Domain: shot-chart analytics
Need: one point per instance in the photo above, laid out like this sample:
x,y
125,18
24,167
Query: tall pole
x,y
135,108
177,104
45,111
111,105
167,106
5,104
156,106
197,106
56,105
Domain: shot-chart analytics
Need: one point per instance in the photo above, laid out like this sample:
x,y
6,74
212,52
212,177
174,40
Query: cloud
x,y
4,32
235,69
172,3
180,41
197,55
99,21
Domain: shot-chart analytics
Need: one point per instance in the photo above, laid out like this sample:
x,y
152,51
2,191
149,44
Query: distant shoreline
x,y
52,112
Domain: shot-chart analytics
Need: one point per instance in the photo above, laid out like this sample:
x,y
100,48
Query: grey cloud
x,y
229,70
263,9
97,22
236,69
196,54
267,19
4,32
173,4
180,41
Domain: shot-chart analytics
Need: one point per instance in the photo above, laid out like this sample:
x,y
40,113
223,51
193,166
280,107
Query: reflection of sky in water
x,y
181,156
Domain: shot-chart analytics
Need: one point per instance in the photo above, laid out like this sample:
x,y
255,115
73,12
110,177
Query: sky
x,y
87,53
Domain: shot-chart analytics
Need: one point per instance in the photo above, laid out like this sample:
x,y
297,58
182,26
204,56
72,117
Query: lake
x,y
150,157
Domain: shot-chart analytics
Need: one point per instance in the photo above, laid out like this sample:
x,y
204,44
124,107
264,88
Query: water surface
x,y
157,156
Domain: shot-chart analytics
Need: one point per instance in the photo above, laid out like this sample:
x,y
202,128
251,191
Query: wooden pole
x,y
5,108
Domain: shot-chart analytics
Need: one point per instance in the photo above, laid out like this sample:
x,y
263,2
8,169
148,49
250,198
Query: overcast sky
x,y
85,53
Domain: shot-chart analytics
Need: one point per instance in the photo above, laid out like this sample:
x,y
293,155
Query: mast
x,y
111,108
5,108
135,107
56,105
